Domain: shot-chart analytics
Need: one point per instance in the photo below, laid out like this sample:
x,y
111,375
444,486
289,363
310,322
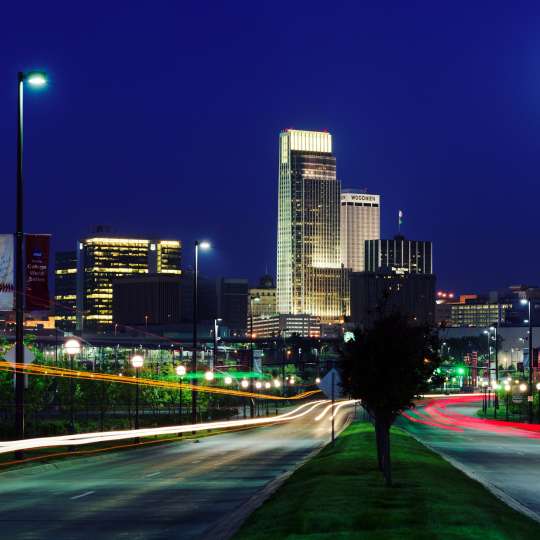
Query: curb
x,y
498,492
228,526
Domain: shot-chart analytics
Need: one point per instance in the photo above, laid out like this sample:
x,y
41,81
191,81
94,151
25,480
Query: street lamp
x,y
180,371
227,380
137,362
527,301
216,339
72,348
209,376
204,246
317,380
244,383
252,299
35,79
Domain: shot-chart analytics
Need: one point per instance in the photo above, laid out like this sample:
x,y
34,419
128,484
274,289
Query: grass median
x,y
340,494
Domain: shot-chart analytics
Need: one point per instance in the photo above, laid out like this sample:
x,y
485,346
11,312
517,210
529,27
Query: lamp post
x,y
507,390
215,349
137,362
530,388
35,79
180,371
203,246
252,299
72,348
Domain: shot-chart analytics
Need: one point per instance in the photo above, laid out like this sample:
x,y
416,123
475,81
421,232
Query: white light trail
x,y
107,436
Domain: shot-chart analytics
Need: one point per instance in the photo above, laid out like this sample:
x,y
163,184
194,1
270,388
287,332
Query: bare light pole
x,y
36,79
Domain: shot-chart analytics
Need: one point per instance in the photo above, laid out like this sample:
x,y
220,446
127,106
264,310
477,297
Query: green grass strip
x,y
340,494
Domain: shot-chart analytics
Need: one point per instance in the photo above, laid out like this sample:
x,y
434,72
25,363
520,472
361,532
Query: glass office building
x,y
310,276
100,260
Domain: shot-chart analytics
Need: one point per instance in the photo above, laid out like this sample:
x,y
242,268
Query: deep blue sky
x,y
163,118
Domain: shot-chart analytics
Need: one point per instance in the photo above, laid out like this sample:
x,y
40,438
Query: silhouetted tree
x,y
387,366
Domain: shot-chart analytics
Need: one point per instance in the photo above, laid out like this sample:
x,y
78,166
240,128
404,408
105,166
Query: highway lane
x,y
176,490
507,457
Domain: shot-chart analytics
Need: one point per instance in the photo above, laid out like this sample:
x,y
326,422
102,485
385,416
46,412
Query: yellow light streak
x,y
53,371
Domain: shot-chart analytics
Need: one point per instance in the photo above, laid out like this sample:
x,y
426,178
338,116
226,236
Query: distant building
x,y
65,286
147,300
310,277
286,326
360,219
378,294
207,297
101,260
262,299
399,255
233,304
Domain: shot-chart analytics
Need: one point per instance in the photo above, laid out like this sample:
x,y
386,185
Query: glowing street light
x,y
258,385
72,347
36,78
522,387
317,380
267,385
181,370
137,362
244,383
209,376
277,383
227,380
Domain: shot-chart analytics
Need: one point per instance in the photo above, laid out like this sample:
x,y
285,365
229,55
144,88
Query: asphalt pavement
x,y
181,490
504,456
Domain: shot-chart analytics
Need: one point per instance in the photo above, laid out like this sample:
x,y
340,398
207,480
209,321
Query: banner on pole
x,y
6,272
37,271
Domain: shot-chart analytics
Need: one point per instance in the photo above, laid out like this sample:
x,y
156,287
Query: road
x,y
177,490
506,456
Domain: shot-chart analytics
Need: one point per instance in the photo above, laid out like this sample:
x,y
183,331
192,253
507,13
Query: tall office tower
x,y
310,277
100,260
399,256
360,221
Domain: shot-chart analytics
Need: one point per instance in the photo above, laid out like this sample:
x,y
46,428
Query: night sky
x,y
162,118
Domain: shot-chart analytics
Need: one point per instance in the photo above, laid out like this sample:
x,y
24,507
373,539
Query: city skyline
x,y
399,130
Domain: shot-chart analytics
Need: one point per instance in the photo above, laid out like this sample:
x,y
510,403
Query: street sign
x,y
28,356
326,384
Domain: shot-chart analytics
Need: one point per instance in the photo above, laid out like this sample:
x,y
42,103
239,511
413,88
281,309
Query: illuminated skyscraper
x,y
360,221
102,259
310,277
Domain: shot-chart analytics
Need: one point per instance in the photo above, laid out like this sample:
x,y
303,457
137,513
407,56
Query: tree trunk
x,y
379,443
386,460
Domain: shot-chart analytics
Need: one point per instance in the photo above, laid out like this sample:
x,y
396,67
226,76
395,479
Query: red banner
x,y
37,271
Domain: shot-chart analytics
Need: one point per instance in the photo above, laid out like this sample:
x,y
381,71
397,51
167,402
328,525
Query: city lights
x,y
227,379
209,375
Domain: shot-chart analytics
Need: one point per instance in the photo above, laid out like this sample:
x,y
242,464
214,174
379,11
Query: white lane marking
x,y
198,461
152,474
86,493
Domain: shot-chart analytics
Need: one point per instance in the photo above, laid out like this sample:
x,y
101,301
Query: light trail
x,y
339,405
106,436
52,371
437,415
